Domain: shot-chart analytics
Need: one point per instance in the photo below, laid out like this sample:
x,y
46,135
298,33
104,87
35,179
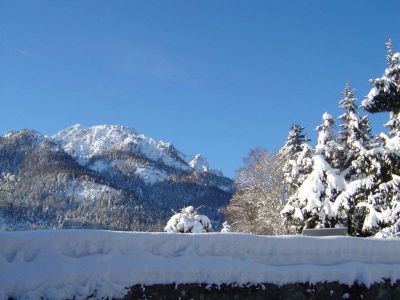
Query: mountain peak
x,y
24,133
84,143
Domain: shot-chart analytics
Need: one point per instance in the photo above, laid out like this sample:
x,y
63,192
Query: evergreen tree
x,y
383,205
295,156
374,194
354,139
310,206
385,95
327,144
368,198
293,143
354,136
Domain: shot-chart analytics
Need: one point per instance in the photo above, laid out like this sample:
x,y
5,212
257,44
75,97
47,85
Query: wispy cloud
x,y
156,65
22,52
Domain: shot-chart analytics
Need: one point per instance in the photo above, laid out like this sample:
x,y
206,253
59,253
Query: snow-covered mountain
x,y
105,176
87,144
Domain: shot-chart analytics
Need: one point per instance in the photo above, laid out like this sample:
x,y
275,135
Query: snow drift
x,y
78,263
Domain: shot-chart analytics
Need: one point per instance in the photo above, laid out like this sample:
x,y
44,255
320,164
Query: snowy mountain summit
x,y
87,143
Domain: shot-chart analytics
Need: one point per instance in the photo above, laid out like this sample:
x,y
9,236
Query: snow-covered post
x,y
226,227
188,221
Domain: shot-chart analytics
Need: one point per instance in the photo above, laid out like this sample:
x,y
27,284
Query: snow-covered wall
x,y
61,264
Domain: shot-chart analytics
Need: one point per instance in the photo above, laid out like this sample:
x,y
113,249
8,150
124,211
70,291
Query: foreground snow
x,y
61,264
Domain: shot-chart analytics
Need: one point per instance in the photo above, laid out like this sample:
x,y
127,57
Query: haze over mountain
x,y
105,176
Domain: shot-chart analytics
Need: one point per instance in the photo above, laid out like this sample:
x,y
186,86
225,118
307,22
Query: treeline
x,y
350,178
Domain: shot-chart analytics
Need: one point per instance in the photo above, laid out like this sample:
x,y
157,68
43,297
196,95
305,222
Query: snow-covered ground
x,y
61,264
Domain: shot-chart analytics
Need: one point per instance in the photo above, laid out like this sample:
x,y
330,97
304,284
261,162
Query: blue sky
x,y
213,77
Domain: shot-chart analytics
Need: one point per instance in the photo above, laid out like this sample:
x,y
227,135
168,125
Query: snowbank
x,y
61,264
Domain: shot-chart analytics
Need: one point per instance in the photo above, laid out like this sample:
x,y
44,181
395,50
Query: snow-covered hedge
x,y
77,263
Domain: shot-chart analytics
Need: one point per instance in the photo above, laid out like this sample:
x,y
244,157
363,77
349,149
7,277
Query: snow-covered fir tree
x,y
327,141
385,95
354,139
293,143
188,221
380,188
295,156
311,205
354,135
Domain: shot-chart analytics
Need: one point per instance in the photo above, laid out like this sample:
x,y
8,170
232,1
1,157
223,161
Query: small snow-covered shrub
x,y
188,221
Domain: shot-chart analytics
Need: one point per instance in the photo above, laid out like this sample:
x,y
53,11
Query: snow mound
x,y
78,263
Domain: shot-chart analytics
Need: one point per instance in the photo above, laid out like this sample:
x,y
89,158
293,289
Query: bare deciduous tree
x,y
259,197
